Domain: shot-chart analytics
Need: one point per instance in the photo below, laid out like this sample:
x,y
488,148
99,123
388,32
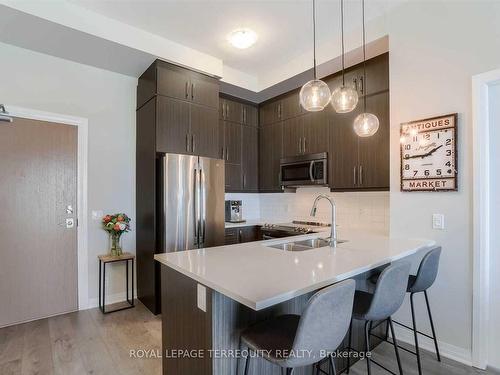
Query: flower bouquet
x,y
116,225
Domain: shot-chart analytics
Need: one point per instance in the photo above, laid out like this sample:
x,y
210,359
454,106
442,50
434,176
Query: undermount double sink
x,y
304,245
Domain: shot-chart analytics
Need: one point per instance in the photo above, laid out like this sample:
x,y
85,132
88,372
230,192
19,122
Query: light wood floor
x,y
87,342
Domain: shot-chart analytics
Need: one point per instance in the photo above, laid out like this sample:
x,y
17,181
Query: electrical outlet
x,y
97,215
437,221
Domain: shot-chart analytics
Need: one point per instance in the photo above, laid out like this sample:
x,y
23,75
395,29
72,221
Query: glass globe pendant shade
x,y
344,99
314,95
366,124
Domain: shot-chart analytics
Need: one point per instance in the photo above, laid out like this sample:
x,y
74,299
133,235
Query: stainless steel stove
x,y
295,228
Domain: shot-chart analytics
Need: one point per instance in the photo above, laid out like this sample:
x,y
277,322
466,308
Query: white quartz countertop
x,y
258,276
247,223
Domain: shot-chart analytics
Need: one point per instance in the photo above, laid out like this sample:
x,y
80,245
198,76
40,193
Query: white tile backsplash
x,y
368,211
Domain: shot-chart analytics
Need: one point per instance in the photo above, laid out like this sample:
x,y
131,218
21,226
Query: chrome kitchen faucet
x,y
333,233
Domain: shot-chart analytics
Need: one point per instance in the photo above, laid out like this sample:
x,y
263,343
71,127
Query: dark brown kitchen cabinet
x,y
250,115
270,112
233,177
242,234
185,128
270,152
172,126
291,106
373,169
306,134
231,110
232,142
360,163
204,131
180,83
250,158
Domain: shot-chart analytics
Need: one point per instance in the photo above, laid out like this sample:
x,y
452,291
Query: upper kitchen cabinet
x,y
291,107
360,163
231,110
250,158
187,109
270,153
270,112
306,134
180,83
250,115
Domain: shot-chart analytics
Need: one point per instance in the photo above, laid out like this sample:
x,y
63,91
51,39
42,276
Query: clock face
x,y
428,154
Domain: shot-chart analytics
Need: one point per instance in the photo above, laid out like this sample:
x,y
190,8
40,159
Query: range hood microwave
x,y
304,170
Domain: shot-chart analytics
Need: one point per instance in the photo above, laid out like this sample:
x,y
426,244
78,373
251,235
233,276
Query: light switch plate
x,y
437,221
97,215
202,298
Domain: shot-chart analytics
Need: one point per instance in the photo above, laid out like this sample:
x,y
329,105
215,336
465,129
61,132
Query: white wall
x,y
435,48
107,100
494,328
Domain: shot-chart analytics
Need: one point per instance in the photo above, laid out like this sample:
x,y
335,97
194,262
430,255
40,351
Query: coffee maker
x,y
234,212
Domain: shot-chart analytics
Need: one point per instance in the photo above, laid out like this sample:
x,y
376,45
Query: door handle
x,y
202,207
311,168
193,143
361,175
186,89
227,111
239,235
222,153
195,205
227,154
355,82
304,148
192,90
355,176
187,142
244,179
300,145
362,85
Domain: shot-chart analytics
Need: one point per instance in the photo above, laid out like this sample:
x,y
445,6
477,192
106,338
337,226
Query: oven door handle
x,y
311,167
266,237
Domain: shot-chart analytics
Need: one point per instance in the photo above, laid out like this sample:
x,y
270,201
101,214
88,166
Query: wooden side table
x,y
103,260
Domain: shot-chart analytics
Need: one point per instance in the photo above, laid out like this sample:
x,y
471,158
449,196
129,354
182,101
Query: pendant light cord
x,y
342,36
314,37
364,54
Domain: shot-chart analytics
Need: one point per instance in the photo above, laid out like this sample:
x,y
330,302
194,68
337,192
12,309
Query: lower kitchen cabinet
x,y
242,234
270,152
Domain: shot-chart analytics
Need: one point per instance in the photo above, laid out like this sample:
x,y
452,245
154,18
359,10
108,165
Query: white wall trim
x,y
481,219
452,352
82,229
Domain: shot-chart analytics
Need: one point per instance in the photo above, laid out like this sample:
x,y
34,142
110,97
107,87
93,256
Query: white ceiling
x,y
284,26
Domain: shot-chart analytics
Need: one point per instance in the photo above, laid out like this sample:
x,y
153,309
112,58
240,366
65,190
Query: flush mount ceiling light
x,y
365,124
315,94
242,38
344,98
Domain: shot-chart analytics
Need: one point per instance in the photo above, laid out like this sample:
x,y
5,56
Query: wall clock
x,y
429,154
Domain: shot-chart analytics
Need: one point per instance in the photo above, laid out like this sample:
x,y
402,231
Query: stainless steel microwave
x,y
304,170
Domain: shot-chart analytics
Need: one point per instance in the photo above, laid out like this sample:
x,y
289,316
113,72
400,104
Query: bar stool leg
x,y
415,334
389,322
247,362
349,349
367,343
332,362
432,326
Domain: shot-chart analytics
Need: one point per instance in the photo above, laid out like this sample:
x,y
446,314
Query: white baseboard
x,y
110,298
446,350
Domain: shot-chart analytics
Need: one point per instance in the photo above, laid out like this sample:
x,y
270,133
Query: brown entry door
x,y
38,193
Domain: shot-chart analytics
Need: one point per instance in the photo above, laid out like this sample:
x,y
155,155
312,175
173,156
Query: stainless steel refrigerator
x,y
190,202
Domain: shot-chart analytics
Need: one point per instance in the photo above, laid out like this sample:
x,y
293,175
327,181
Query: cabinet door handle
x,y
304,148
223,110
361,175
192,90
244,115
186,89
355,176
222,153
300,145
187,142
244,180
193,143
361,85
239,235
227,154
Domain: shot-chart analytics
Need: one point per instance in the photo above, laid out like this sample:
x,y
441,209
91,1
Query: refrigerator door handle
x,y
203,218
195,205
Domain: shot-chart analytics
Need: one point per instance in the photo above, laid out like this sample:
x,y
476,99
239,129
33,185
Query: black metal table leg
x,y
100,306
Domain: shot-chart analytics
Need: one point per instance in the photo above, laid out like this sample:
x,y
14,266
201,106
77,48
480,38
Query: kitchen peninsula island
x,y
210,295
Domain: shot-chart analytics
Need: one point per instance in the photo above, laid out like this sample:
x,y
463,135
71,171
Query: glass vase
x,y
115,247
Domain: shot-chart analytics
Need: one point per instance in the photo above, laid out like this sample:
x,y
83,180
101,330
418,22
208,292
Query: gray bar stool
x,y
379,306
319,330
423,280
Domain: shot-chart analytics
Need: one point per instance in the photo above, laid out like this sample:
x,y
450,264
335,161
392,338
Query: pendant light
x,y
315,94
365,124
344,98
